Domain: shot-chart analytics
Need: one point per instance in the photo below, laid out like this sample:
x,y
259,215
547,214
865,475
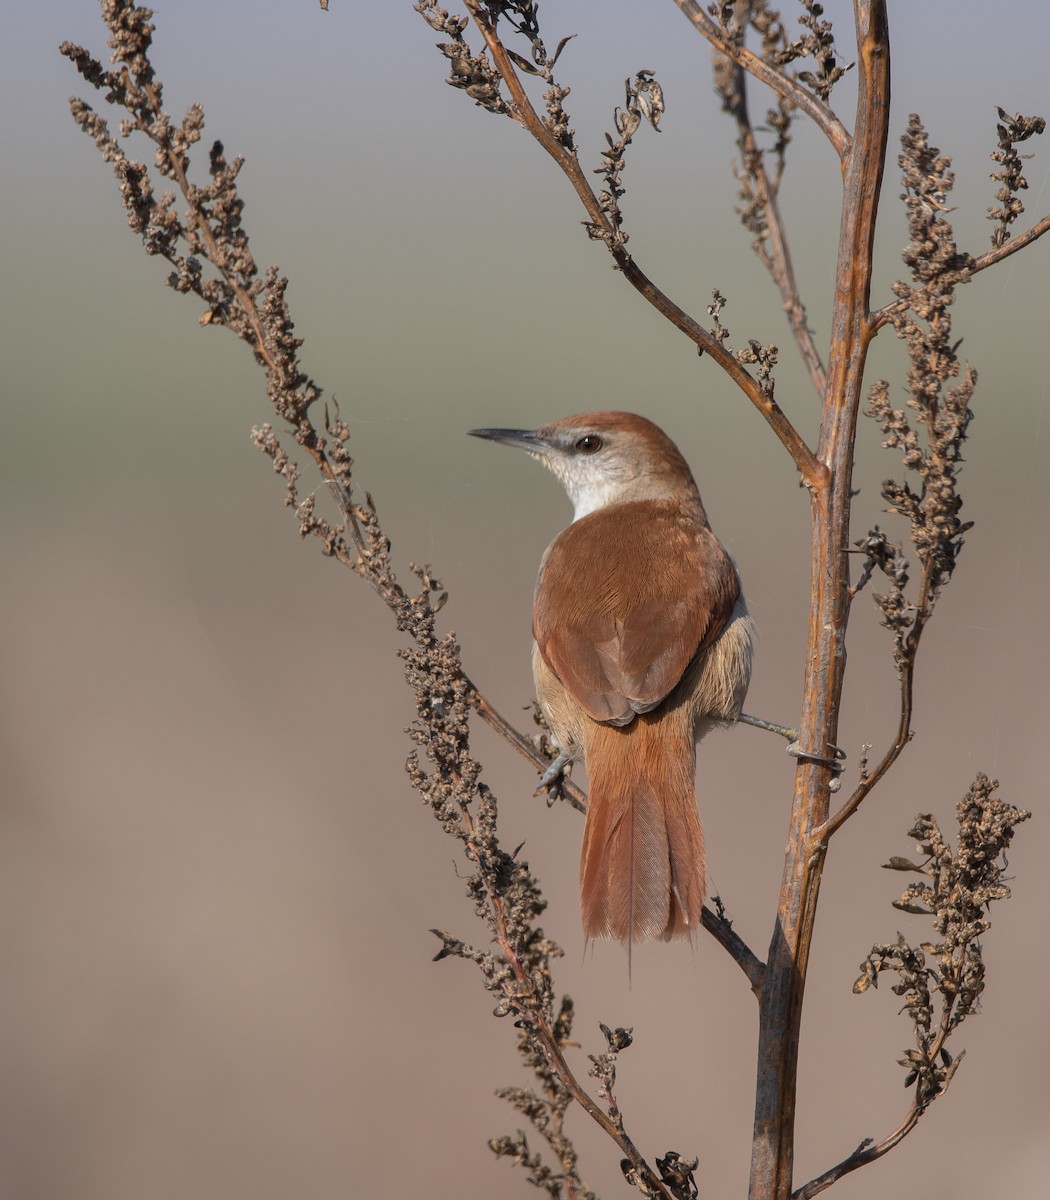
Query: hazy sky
x,y
216,883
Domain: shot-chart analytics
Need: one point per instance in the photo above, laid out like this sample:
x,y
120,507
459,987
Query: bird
x,y
642,642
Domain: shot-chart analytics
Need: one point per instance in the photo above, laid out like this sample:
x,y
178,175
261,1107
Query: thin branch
x,y
811,469
923,610
864,1154
884,315
824,832
783,271
818,112
779,262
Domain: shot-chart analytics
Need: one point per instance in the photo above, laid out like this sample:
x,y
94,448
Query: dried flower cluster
x,y
941,981
643,98
546,1114
523,18
474,73
603,1066
817,43
1010,131
923,321
714,311
754,353
210,234
516,1149
896,611
676,1173
766,359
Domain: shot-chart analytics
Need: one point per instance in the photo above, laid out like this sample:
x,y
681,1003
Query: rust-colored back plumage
x,y
625,599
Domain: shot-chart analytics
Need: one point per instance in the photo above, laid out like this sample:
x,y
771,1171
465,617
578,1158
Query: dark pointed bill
x,y
525,439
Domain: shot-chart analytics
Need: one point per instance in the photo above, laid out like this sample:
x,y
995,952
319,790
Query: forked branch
x,y
792,91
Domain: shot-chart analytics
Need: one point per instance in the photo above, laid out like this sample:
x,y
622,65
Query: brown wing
x,y
625,599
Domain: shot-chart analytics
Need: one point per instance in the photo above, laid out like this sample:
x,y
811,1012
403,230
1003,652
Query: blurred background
x,y
216,884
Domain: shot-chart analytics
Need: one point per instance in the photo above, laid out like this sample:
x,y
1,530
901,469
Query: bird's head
x,y
605,458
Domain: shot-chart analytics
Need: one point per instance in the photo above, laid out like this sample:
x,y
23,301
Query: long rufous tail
x,y
643,868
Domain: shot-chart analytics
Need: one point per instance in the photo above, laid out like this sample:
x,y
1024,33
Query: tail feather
x,y
643,868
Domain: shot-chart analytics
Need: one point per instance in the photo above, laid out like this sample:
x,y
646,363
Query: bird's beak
x,y
525,439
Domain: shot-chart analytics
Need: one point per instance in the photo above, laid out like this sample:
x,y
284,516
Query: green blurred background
x,y
215,881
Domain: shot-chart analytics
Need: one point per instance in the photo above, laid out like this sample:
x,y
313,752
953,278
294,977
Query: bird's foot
x,y
834,761
553,777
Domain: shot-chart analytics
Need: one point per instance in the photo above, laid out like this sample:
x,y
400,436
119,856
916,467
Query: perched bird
x,y
642,641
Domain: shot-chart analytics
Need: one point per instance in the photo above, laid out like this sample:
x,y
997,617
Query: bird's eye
x,y
589,444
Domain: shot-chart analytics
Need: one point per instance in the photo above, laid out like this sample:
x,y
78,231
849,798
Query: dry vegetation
x,y
498,57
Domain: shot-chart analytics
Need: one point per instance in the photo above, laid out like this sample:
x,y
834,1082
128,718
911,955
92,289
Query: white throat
x,y
590,486
594,494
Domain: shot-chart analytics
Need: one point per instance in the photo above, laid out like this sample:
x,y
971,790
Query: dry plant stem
x,y
989,259
860,1157
869,1153
782,995
780,266
803,100
811,470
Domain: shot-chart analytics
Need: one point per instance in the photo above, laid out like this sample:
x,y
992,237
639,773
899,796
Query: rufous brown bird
x,y
642,642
